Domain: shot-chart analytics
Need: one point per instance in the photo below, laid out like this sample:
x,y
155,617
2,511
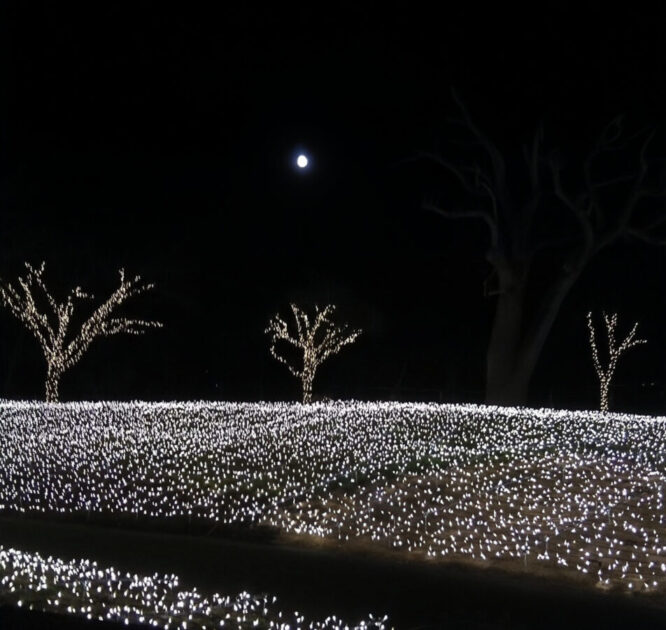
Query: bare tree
x,y
545,223
318,338
51,326
614,351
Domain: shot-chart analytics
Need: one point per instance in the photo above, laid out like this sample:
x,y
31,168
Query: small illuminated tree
x,y
318,338
614,352
51,326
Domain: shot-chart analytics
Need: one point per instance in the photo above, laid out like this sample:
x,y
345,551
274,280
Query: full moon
x,y
302,161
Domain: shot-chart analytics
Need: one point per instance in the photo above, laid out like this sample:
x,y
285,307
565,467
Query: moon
x,y
302,161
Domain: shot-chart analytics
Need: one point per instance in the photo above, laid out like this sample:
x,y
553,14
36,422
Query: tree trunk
x,y
603,395
506,381
515,347
52,383
510,389
306,380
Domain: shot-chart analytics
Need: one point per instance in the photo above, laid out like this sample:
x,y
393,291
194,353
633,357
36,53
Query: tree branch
x,y
467,214
499,168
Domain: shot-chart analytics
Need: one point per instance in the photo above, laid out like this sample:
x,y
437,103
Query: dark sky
x,y
162,139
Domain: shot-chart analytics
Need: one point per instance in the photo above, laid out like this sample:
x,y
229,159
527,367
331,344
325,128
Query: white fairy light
x,y
566,492
318,339
106,594
62,350
614,351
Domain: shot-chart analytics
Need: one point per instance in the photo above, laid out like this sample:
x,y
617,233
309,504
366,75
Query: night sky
x,y
164,141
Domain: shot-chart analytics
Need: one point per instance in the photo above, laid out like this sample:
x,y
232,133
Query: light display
x,y
61,349
318,338
614,351
81,587
567,492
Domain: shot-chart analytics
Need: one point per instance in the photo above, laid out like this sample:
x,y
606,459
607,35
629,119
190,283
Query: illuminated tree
x,y
614,351
546,218
50,323
317,338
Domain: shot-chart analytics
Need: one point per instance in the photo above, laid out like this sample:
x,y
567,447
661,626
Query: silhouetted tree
x,y
318,338
545,223
51,326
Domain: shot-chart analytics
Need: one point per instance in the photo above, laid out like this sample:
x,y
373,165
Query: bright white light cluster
x,y
317,338
82,588
576,490
614,352
601,518
51,326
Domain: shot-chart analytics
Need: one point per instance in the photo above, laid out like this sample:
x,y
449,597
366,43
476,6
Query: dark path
x,y
19,619
320,583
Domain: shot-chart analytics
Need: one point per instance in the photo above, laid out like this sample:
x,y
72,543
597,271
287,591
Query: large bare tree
x,y
317,337
545,221
49,320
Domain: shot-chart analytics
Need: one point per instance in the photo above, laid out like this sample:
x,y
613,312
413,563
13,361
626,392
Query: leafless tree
x,y
545,223
50,324
614,351
317,338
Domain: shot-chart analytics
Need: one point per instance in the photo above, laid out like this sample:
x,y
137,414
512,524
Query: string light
x,y
614,352
566,492
318,339
85,589
61,350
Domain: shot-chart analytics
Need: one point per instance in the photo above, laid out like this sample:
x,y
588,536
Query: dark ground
x,y
17,619
319,583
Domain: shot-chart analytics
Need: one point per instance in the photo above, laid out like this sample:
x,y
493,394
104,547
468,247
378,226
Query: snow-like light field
x,y
85,589
576,491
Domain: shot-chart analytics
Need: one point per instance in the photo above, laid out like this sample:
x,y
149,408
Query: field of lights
x,y
575,493
83,588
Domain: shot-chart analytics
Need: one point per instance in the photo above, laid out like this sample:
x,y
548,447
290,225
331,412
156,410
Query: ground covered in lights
x,y
83,588
562,493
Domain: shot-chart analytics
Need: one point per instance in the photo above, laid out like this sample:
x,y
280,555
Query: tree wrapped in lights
x,y
51,325
318,338
614,351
